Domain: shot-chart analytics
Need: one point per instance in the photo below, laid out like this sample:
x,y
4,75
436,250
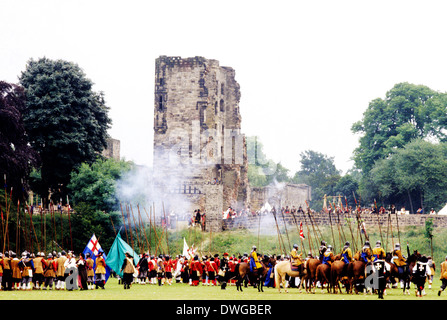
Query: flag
x,y
301,231
93,247
117,254
185,249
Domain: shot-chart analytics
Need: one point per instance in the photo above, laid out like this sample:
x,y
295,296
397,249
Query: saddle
x,y
294,268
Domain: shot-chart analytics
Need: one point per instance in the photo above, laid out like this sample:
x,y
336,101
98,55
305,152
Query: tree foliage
x,y
408,111
16,156
318,171
65,119
95,184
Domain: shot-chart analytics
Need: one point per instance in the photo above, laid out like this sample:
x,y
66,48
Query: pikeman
x,y
399,261
60,273
90,272
16,271
100,271
38,270
7,272
49,272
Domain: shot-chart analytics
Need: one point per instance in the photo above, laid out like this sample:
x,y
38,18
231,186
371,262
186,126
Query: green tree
x,y
319,172
95,184
408,111
65,119
17,157
347,186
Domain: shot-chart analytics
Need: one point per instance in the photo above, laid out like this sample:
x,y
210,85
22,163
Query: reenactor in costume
x,y
160,270
142,266
152,269
27,267
195,269
431,265
224,271
38,270
100,271
169,265
49,273
366,253
90,272
16,271
346,257
254,261
60,272
212,271
378,250
420,272
443,277
399,260
328,256
381,270
81,264
7,272
322,250
295,256
128,269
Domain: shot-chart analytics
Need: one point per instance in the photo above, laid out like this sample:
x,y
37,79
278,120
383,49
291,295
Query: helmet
x,y
378,243
347,243
295,246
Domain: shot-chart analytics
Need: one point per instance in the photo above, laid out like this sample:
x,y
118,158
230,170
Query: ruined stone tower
x,y
200,156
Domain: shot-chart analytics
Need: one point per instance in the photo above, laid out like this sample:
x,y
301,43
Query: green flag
x,y
117,254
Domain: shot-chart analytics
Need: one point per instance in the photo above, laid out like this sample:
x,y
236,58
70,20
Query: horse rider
x,y
322,249
399,260
378,250
366,253
346,256
254,261
295,257
328,256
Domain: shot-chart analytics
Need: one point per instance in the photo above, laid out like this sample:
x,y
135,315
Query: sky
x,y
307,69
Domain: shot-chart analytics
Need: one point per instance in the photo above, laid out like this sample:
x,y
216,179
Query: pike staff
x,y
124,222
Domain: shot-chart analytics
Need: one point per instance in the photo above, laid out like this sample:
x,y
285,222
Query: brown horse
x,y
311,274
256,277
323,275
356,275
284,268
338,272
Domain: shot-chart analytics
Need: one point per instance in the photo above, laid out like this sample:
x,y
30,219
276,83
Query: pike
x,y
141,221
124,222
136,228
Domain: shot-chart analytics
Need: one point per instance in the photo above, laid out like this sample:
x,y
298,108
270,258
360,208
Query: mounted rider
x,y
328,256
254,260
378,251
295,256
366,253
399,260
322,249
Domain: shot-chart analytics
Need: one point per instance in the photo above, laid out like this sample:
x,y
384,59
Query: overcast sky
x,y
307,69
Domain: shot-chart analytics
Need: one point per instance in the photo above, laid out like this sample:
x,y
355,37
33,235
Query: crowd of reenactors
x,y
47,272
40,272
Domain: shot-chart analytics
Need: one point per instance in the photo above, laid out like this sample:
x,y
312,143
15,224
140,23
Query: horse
x,y
356,274
406,276
256,278
284,268
309,278
323,275
337,274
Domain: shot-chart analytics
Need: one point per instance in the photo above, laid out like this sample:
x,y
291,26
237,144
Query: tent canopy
x,y
443,211
117,254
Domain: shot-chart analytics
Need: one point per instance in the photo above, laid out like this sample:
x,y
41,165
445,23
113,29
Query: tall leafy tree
x,y
319,172
66,120
95,184
16,155
408,111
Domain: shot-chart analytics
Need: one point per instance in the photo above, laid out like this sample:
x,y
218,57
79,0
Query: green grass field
x,y
179,291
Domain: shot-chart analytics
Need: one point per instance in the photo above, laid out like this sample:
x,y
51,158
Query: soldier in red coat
x,y
195,271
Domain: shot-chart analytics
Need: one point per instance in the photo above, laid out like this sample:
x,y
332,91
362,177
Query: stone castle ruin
x,y
200,154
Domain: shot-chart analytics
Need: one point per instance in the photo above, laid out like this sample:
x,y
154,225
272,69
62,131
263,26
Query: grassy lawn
x,y
178,291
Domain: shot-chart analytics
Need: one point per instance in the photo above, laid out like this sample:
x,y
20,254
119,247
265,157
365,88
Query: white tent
x,y
266,207
443,211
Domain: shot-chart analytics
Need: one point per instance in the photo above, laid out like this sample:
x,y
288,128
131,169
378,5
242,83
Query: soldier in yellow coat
x,y
90,272
60,271
443,276
100,271
378,251
254,261
295,256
